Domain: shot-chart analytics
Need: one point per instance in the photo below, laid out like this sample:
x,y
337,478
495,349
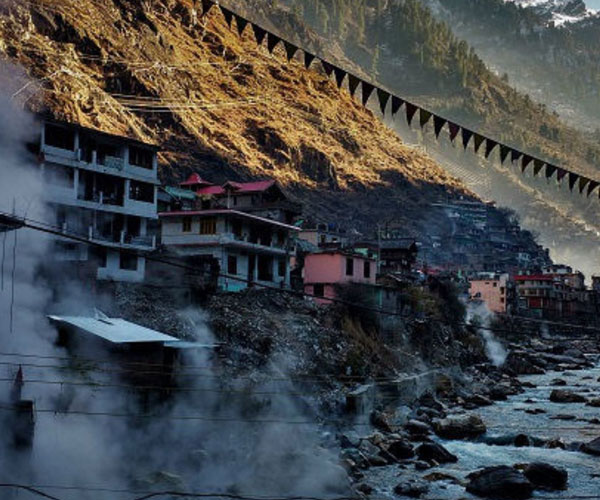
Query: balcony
x,y
122,239
103,199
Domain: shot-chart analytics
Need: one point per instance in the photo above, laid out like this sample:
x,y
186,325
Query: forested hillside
x,y
557,65
404,46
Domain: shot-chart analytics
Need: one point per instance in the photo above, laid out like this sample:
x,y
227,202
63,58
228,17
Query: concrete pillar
x,y
76,183
255,273
275,267
125,156
143,226
76,145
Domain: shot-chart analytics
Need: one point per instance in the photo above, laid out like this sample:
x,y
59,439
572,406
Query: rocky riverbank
x,y
419,456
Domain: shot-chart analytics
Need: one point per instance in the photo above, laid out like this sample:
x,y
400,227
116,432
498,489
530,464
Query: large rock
x,y
592,448
435,452
412,488
464,427
416,427
499,482
595,403
523,363
560,396
546,476
401,449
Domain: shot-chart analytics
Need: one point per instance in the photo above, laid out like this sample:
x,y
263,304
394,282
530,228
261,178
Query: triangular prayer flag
x,y
424,117
227,14
411,109
272,41
396,104
515,155
206,6
328,68
367,90
560,174
454,130
537,166
438,124
593,185
384,97
572,180
583,182
550,169
308,59
478,139
466,137
353,82
340,74
504,150
525,162
241,24
489,147
290,50
259,34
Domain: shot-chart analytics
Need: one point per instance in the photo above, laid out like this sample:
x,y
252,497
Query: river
x,y
507,419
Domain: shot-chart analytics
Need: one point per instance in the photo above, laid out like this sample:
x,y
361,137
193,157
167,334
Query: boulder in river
x,y
560,396
436,452
559,382
546,476
412,488
417,427
500,482
468,426
401,449
595,403
592,448
522,441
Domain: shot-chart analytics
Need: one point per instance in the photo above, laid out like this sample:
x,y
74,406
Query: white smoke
x,y
478,313
230,438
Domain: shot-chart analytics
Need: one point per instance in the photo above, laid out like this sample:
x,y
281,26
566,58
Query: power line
x,y
30,489
35,225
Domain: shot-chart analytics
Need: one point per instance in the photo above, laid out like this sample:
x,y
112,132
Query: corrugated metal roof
x,y
115,330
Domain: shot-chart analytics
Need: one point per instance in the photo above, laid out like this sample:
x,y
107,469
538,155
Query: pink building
x,y
324,270
493,290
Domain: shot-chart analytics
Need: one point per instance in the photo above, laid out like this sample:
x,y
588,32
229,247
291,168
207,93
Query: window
x,y
232,264
139,157
319,290
187,225
59,137
281,267
495,284
367,269
208,226
57,175
323,239
349,266
128,261
141,191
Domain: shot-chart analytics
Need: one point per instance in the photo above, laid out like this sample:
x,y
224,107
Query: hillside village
x,y
240,235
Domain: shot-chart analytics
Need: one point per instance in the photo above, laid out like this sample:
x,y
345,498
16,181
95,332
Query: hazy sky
x,y
593,4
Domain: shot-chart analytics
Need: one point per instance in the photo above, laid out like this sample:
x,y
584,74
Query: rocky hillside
x,y
216,103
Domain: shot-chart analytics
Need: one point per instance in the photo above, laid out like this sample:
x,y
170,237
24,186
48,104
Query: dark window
x,y
367,269
236,227
349,266
319,290
128,261
141,191
187,225
281,267
107,154
323,239
208,226
232,264
59,137
140,157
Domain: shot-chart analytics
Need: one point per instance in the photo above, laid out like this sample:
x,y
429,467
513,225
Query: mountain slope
x,y
233,110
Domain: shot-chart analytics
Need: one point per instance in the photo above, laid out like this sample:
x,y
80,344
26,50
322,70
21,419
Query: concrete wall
x,y
331,268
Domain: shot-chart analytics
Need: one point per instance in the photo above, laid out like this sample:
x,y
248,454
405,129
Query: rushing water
x,y
507,419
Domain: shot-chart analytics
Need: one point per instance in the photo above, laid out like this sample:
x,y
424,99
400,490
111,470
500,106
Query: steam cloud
x,y
241,442
495,351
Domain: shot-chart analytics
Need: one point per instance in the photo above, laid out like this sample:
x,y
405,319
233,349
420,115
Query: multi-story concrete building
x,y
496,290
244,228
103,188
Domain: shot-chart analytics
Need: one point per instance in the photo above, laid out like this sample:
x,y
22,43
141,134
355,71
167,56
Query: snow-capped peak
x,y
559,12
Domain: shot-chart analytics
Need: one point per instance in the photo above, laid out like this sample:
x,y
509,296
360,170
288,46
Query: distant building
x,y
103,188
397,255
243,227
495,290
325,270
324,235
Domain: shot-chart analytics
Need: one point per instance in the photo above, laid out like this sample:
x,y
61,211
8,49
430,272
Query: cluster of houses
x,y
105,189
554,292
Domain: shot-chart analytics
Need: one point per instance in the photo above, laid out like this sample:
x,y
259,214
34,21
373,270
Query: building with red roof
x,y
244,227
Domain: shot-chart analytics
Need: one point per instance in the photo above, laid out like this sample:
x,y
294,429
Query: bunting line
x,y
384,96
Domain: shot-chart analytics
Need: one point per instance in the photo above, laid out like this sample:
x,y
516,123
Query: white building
x,y
103,188
243,227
